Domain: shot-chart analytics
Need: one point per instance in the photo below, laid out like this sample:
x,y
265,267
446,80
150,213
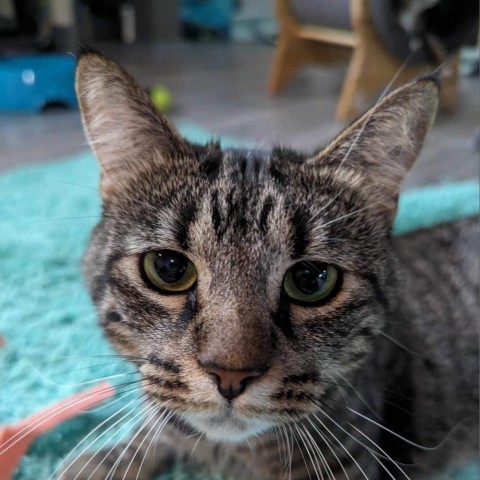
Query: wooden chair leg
x,y
293,53
288,57
448,93
370,72
346,106
287,60
372,68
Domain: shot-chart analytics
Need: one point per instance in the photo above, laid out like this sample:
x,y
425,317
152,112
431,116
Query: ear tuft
x,y
435,77
83,49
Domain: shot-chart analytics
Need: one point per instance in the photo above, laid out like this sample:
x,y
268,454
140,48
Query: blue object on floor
x,y
52,338
30,83
213,14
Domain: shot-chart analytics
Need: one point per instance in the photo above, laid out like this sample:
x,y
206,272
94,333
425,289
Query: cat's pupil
x,y
309,279
170,266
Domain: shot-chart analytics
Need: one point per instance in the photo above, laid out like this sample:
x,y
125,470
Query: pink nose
x,y
232,383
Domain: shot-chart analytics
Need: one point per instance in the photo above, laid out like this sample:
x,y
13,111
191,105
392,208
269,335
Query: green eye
x,y
311,282
169,271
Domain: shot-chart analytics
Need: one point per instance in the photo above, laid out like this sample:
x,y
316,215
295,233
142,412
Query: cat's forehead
x,y
239,203
239,168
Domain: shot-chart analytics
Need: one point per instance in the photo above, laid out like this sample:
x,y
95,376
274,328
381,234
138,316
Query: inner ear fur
x,y
122,125
382,145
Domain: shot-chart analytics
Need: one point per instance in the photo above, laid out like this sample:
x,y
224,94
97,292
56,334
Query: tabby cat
x,y
279,329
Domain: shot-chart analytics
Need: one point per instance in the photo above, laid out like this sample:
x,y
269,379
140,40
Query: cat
x,y
279,329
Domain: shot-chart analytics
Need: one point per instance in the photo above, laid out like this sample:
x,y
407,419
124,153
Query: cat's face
x,y
246,285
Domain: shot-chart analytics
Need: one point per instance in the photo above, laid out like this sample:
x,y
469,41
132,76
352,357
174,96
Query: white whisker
x,y
341,445
85,438
294,438
6,446
319,452
313,460
154,440
327,442
357,394
363,445
160,420
382,451
124,426
200,436
382,96
406,440
150,411
322,456
396,342
76,384
323,225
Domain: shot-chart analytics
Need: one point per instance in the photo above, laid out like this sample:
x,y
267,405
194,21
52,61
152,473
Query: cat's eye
x,y
169,271
311,282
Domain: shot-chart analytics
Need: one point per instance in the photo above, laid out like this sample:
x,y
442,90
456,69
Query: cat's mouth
x,y
226,425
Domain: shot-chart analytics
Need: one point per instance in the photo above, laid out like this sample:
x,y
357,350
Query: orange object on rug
x,y
15,439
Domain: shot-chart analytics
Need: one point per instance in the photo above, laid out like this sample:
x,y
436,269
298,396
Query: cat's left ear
x,y
381,146
124,128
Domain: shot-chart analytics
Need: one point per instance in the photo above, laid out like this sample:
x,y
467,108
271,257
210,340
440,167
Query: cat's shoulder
x,y
441,275
447,241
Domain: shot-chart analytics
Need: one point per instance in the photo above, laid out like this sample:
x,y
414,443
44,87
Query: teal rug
x,y
52,340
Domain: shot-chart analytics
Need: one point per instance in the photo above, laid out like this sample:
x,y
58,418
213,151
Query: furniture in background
x,y
130,21
323,32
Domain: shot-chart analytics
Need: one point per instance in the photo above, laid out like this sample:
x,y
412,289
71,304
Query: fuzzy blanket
x,y
52,341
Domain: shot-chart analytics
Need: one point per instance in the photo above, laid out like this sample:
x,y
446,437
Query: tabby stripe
x,y
100,282
264,214
211,164
113,316
277,174
190,309
99,286
427,265
186,216
166,383
216,216
138,300
303,378
379,295
119,337
282,319
299,221
167,365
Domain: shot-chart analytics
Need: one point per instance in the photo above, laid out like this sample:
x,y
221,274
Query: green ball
x,y
161,98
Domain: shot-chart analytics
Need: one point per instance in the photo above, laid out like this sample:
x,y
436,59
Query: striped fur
x,y
394,350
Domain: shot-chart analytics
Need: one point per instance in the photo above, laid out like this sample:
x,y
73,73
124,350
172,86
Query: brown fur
x,y
244,221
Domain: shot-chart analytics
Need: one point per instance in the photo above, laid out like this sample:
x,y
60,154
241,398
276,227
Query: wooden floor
x,y
222,88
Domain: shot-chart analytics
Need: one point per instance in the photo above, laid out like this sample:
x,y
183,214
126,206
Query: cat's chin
x,y
226,426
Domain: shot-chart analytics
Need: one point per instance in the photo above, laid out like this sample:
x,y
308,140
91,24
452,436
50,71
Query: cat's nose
x,y
232,383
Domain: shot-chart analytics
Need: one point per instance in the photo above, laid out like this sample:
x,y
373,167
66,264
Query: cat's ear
x,y
382,145
122,125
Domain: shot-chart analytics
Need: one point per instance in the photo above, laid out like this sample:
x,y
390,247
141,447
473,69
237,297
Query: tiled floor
x,y
222,88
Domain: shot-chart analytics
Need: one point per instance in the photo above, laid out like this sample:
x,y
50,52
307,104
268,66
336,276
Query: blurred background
x,y
292,72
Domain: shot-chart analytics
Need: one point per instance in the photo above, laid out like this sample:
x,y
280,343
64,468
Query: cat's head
x,y
244,284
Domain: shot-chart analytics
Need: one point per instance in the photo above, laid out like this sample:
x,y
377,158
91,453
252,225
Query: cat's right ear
x,y
379,148
122,125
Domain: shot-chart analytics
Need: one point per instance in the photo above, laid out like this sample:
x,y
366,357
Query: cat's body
x,y
260,373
